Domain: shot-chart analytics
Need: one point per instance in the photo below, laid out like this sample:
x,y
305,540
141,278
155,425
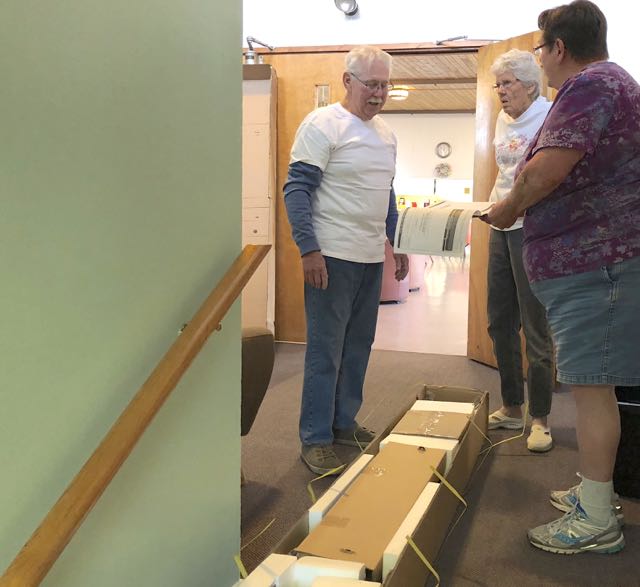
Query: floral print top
x,y
593,217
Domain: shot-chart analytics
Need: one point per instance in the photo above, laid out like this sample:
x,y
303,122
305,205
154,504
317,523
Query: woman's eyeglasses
x,y
537,51
507,85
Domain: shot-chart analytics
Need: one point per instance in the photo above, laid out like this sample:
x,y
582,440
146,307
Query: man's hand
x,y
502,214
315,270
402,265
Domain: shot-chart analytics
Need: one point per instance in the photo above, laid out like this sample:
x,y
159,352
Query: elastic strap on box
x,y
332,472
238,560
456,493
448,485
423,559
485,451
478,429
243,571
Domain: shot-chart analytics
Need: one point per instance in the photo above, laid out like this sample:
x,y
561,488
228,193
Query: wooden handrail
x,y
46,544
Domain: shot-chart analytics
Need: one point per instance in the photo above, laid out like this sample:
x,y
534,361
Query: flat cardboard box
x,y
449,445
432,529
363,520
435,424
318,510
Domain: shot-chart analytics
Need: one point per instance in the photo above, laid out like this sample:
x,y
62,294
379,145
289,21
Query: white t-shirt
x,y
510,143
358,161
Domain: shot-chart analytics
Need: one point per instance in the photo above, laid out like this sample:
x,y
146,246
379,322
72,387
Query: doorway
x,y
442,81
432,316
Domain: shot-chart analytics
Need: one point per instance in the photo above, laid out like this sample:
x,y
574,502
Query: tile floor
x,y
432,319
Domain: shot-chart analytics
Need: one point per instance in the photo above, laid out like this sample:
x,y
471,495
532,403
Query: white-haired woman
x,y
511,304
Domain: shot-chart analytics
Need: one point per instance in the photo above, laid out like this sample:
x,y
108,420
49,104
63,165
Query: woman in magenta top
x,y
579,188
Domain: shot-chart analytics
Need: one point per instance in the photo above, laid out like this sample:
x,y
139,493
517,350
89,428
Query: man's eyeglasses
x,y
374,85
505,85
538,50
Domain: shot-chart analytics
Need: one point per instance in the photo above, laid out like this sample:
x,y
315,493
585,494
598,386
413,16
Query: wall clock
x,y
443,150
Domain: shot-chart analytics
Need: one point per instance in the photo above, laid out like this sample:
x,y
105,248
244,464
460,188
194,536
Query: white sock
x,y
595,499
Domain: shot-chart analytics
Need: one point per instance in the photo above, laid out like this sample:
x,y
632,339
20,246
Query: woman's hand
x,y
502,214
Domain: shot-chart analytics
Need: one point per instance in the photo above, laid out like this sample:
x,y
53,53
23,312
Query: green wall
x,y
119,211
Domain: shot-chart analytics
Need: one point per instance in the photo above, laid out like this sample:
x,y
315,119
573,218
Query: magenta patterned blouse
x,y
593,218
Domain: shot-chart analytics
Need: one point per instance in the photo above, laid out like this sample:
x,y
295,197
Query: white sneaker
x,y
540,439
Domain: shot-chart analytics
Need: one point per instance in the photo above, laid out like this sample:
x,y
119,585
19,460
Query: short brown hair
x,y
582,27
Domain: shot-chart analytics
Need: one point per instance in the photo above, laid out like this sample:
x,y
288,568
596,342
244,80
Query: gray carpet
x,y
508,494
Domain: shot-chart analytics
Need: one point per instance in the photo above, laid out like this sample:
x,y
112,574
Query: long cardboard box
x,y
432,529
363,520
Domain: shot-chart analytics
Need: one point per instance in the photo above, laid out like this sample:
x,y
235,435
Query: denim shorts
x,y
594,318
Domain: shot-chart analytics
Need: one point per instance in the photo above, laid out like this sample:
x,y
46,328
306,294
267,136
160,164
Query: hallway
x,y
432,319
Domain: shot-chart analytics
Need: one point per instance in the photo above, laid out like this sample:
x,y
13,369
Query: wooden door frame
x,y
298,70
479,345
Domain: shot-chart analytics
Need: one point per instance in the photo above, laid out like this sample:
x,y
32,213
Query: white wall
x,y
283,23
418,135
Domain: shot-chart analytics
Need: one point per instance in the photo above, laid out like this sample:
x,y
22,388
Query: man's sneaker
x,y
575,532
321,459
358,436
565,501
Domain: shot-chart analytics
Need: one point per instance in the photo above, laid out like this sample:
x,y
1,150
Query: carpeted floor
x,y
508,494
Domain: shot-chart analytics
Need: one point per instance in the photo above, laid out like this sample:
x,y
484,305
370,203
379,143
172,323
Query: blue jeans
x,y
511,305
341,325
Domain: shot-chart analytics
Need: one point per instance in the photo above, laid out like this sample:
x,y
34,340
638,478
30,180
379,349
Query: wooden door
x,y
479,345
298,74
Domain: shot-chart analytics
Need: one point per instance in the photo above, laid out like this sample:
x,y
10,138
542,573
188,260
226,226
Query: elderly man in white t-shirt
x,y
341,207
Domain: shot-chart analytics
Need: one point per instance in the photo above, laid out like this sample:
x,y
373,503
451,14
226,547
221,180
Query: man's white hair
x,y
360,59
522,65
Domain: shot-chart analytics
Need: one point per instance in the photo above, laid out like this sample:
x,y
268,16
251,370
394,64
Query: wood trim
x,y
46,544
428,112
432,81
393,48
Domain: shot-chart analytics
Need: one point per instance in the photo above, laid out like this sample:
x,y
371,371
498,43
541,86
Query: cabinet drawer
x,y
255,222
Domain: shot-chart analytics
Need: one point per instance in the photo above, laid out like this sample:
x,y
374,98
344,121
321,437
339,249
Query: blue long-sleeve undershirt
x,y
302,181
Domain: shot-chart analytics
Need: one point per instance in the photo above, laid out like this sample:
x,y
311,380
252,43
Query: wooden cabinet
x,y
259,189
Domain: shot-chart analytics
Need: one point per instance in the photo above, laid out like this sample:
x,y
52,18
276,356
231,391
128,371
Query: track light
x,y
349,7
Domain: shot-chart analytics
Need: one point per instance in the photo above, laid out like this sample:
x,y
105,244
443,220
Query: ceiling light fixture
x,y
400,94
349,7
